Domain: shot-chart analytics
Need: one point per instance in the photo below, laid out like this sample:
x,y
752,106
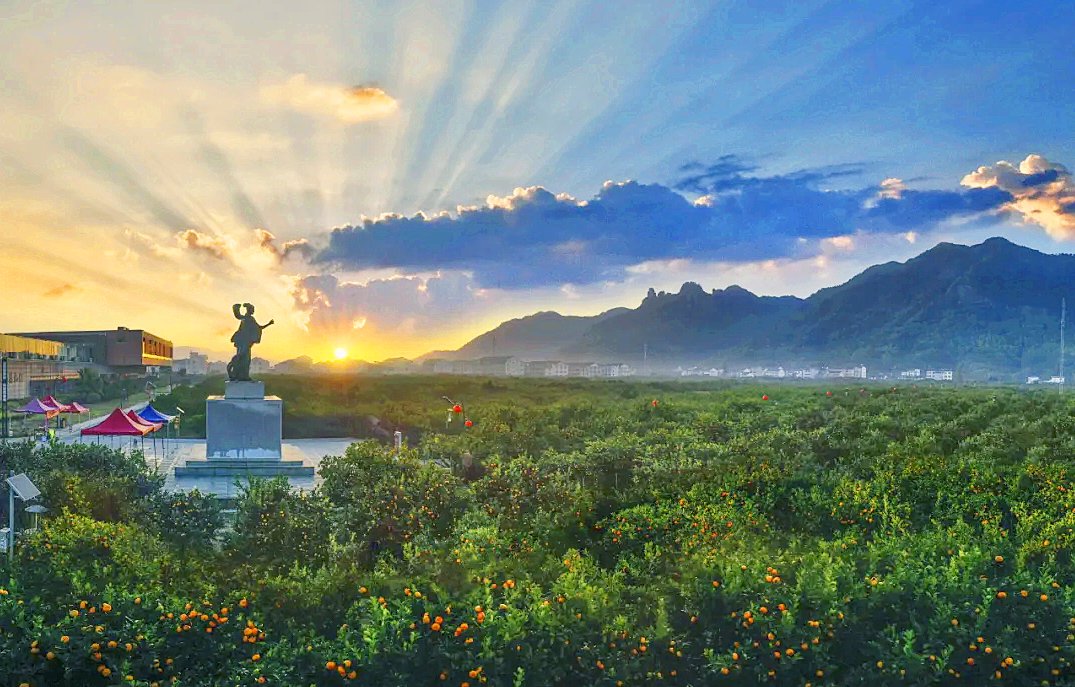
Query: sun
x,y
340,353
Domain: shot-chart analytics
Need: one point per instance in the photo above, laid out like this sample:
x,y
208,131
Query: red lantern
x,y
468,423
764,397
457,408
654,403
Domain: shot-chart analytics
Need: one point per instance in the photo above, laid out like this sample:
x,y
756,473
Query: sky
x,y
394,178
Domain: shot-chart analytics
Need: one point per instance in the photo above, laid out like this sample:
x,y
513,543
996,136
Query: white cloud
x,y
533,195
1043,192
218,247
892,188
348,104
841,243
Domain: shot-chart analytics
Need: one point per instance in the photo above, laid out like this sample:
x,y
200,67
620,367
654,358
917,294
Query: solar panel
x,y
23,487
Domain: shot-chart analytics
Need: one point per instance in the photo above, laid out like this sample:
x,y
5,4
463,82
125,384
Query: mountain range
x,y
989,311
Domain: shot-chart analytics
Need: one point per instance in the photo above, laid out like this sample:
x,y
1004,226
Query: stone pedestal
x,y
243,423
243,431
244,390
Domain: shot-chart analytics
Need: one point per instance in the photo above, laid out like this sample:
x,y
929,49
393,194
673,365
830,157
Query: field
x,y
576,534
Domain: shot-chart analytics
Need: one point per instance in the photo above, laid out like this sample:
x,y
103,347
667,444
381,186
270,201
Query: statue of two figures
x,y
244,338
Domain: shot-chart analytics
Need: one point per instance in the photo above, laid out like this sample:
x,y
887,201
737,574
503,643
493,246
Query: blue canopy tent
x,y
152,415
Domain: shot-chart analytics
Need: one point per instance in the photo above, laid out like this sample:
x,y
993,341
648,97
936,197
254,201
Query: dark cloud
x,y
1046,177
729,173
701,177
535,238
915,209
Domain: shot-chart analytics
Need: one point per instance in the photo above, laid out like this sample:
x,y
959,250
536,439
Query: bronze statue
x,y
244,338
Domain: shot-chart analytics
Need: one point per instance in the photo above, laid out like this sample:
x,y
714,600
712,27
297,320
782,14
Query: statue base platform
x,y
238,467
242,425
243,432
250,389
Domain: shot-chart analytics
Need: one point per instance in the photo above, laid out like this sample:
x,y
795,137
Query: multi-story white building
x,y
501,365
777,372
546,368
616,370
259,366
940,375
858,372
195,364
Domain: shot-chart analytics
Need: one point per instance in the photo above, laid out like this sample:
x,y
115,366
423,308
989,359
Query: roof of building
x,y
20,343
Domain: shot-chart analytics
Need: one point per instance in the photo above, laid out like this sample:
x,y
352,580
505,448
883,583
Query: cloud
x,y
349,105
60,290
140,243
841,243
267,241
402,305
213,246
892,188
535,238
1042,192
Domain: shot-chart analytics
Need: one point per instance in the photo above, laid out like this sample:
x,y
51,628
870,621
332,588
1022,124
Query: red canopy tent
x,y
51,400
77,407
117,424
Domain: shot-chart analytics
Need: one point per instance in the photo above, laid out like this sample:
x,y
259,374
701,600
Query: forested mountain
x,y
989,308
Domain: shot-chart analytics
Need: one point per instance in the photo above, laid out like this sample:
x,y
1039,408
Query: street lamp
x,y
36,510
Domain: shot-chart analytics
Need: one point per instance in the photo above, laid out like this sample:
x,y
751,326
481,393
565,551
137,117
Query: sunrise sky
x,y
395,177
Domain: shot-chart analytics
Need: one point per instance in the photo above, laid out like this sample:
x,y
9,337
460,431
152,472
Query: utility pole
x,y
10,520
645,360
1063,316
5,423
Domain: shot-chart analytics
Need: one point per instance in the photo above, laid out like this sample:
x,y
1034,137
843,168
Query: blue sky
x,y
279,153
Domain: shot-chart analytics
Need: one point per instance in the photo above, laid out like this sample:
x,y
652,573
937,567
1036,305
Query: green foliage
x,y
77,555
880,536
187,521
276,528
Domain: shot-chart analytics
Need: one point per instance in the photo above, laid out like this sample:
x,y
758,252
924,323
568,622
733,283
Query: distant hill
x,y
992,308
534,336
